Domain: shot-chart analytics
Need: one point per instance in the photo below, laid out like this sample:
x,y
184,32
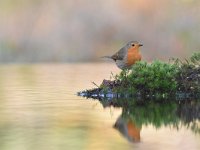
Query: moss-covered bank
x,y
153,80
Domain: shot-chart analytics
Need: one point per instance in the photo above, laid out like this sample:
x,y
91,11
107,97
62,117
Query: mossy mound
x,y
148,79
153,80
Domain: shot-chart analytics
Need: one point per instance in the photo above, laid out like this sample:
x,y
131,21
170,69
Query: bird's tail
x,y
107,57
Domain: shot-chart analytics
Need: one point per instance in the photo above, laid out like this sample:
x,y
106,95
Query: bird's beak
x,y
140,45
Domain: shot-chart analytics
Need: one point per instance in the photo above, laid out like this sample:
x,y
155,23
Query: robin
x,y
127,55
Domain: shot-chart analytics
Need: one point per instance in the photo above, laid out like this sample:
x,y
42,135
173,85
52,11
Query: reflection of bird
x,y
127,55
128,129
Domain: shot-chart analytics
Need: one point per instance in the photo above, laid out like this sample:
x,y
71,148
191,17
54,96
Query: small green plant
x,y
188,78
195,59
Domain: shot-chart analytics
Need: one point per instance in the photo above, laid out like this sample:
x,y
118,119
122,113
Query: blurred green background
x,y
84,30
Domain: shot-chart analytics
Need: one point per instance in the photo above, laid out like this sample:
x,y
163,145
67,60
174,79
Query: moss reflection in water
x,y
136,114
153,113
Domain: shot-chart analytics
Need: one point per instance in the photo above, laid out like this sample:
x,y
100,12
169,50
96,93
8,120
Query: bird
x,y
127,55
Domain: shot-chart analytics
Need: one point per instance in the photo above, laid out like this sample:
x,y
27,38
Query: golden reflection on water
x,y
40,110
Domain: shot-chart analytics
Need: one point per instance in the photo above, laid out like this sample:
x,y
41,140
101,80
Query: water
x,y
39,109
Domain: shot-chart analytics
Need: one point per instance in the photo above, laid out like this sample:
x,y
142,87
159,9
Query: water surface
x,y
39,109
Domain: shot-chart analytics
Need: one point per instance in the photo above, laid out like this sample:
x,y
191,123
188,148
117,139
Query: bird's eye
x,y
133,44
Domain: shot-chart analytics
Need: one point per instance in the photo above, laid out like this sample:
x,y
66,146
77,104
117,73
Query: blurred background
x,y
34,31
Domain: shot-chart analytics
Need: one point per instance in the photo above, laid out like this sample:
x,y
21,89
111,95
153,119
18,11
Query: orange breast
x,y
133,56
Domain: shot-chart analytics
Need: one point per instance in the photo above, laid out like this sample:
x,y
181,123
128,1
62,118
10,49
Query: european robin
x,y
127,55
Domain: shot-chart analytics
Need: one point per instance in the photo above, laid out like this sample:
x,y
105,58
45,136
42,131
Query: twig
x,y
95,84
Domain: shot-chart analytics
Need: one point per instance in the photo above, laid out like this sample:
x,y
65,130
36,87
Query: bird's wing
x,y
119,55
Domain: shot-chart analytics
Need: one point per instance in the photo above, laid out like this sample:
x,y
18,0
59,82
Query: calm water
x,y
40,110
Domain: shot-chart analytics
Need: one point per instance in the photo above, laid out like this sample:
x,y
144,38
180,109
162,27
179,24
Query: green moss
x,y
157,78
188,78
